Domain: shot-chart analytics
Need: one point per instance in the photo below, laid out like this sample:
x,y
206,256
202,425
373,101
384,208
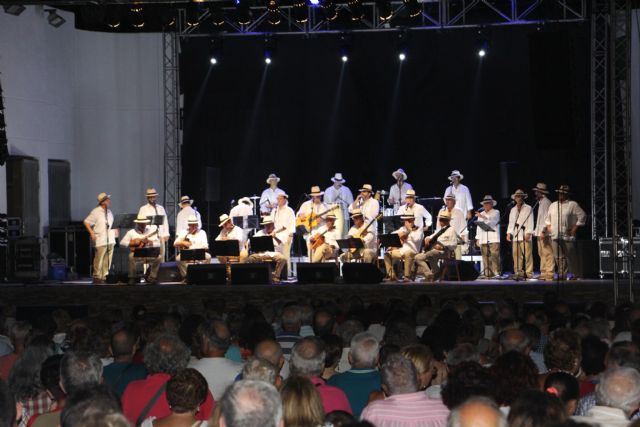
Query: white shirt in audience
x,y
219,372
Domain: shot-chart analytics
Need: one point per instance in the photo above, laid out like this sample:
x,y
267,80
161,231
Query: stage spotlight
x,y
243,12
273,12
402,44
269,49
137,16
112,17
329,9
193,15
482,45
15,9
300,12
345,58
345,46
413,7
402,56
215,50
54,19
356,9
385,12
217,14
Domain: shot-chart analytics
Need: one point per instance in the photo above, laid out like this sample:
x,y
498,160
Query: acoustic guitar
x,y
363,232
312,220
141,242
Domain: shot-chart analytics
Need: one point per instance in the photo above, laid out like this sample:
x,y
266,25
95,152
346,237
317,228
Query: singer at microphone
x,y
520,231
187,209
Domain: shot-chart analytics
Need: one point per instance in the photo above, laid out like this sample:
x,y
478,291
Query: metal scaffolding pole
x,y
172,143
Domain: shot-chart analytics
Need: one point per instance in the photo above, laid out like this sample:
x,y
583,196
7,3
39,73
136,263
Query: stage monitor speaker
x,y
361,273
168,272
212,184
251,274
587,253
313,272
466,269
207,274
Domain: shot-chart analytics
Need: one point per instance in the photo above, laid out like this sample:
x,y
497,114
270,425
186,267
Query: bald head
x,y
514,340
477,412
270,351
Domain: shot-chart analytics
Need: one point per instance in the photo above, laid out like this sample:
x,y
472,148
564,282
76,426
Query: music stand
x,y
261,244
392,222
350,243
391,240
484,226
192,255
246,222
148,252
124,221
156,219
226,248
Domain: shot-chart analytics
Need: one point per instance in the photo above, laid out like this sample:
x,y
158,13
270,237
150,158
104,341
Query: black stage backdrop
x,y
307,116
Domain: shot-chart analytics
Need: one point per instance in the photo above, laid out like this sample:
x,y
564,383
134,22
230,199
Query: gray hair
x,y
260,370
455,419
399,375
217,333
166,354
249,403
79,369
619,388
514,340
307,357
463,352
364,350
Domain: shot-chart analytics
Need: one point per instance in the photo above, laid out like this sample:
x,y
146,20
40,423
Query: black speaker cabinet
x,y
466,269
207,274
309,272
361,273
251,274
168,272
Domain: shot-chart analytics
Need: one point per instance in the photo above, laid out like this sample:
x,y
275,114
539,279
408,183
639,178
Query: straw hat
x,y
564,189
519,192
331,216
398,173
356,213
224,218
315,191
141,219
367,187
102,197
338,178
411,193
283,194
444,214
457,173
192,219
266,220
185,200
541,187
449,196
488,199
151,192
272,177
246,201
407,215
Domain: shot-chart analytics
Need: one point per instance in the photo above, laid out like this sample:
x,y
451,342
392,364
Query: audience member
x,y
250,403
50,377
562,353
513,373
566,388
324,322
93,401
467,380
261,370
79,369
333,354
534,408
123,370
9,410
594,352
347,330
17,335
301,403
289,333
477,412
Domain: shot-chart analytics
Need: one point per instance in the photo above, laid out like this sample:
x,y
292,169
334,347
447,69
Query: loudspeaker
x,y
251,274
207,274
587,253
168,272
467,270
309,272
361,273
212,184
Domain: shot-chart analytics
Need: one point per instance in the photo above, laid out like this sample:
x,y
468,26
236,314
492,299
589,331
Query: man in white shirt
x,y
367,205
152,208
269,196
398,191
329,234
215,339
411,238
489,241
445,243
243,209
545,251
562,222
461,192
519,232
187,210
368,253
458,223
278,245
422,216
341,195
228,231
309,211
142,236
192,238
284,221
98,223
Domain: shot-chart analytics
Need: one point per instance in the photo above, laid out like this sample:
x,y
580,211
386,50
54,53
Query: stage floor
x,y
97,298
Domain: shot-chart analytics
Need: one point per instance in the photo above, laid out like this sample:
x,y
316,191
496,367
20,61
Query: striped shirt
x,y
286,341
407,410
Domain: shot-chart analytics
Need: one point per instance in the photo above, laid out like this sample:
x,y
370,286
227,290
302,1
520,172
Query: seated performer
x,y
142,237
276,255
438,246
368,253
325,240
457,221
193,238
423,217
231,232
489,241
519,232
312,207
411,239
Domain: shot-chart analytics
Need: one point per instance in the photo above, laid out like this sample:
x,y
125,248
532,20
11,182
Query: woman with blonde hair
x,y
424,362
301,404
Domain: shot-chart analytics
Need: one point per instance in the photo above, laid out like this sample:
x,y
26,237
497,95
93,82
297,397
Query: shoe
x,y
153,281
496,277
482,277
390,279
405,280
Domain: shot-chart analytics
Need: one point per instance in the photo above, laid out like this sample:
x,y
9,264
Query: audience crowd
x,y
325,363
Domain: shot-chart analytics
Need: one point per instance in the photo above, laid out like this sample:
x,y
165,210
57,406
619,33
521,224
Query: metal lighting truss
x,y
172,137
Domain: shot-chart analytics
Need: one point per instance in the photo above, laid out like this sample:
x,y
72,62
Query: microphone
x,y
511,203
233,202
480,210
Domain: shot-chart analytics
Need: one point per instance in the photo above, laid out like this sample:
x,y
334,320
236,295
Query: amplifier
x,y
624,249
24,259
74,245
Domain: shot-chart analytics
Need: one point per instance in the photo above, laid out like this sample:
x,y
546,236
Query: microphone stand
x,y
522,253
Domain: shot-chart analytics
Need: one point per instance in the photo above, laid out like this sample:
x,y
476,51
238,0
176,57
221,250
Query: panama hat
x,y
151,192
367,187
541,187
398,173
283,194
185,200
488,199
519,192
315,191
102,197
192,219
246,201
356,213
407,215
267,220
457,173
449,196
141,219
223,218
331,216
272,177
444,214
411,193
564,189
338,178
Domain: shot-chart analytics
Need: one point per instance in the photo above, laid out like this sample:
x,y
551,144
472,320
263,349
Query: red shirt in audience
x,y
333,398
6,363
139,393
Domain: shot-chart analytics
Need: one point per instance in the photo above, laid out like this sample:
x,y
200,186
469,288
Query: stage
x,y
94,299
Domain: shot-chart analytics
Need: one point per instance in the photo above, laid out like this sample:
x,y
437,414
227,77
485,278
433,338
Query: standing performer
x,y
462,193
142,236
98,223
243,209
398,191
284,219
519,232
545,251
324,245
422,216
277,255
368,253
269,196
367,205
457,221
228,231
489,241
411,239
193,238
312,208
186,203
562,222
152,209
340,194
440,245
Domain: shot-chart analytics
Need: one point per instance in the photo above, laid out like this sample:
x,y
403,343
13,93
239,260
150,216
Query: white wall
x,y
94,99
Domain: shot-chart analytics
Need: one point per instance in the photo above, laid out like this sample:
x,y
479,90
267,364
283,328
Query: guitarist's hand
x,y
427,240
